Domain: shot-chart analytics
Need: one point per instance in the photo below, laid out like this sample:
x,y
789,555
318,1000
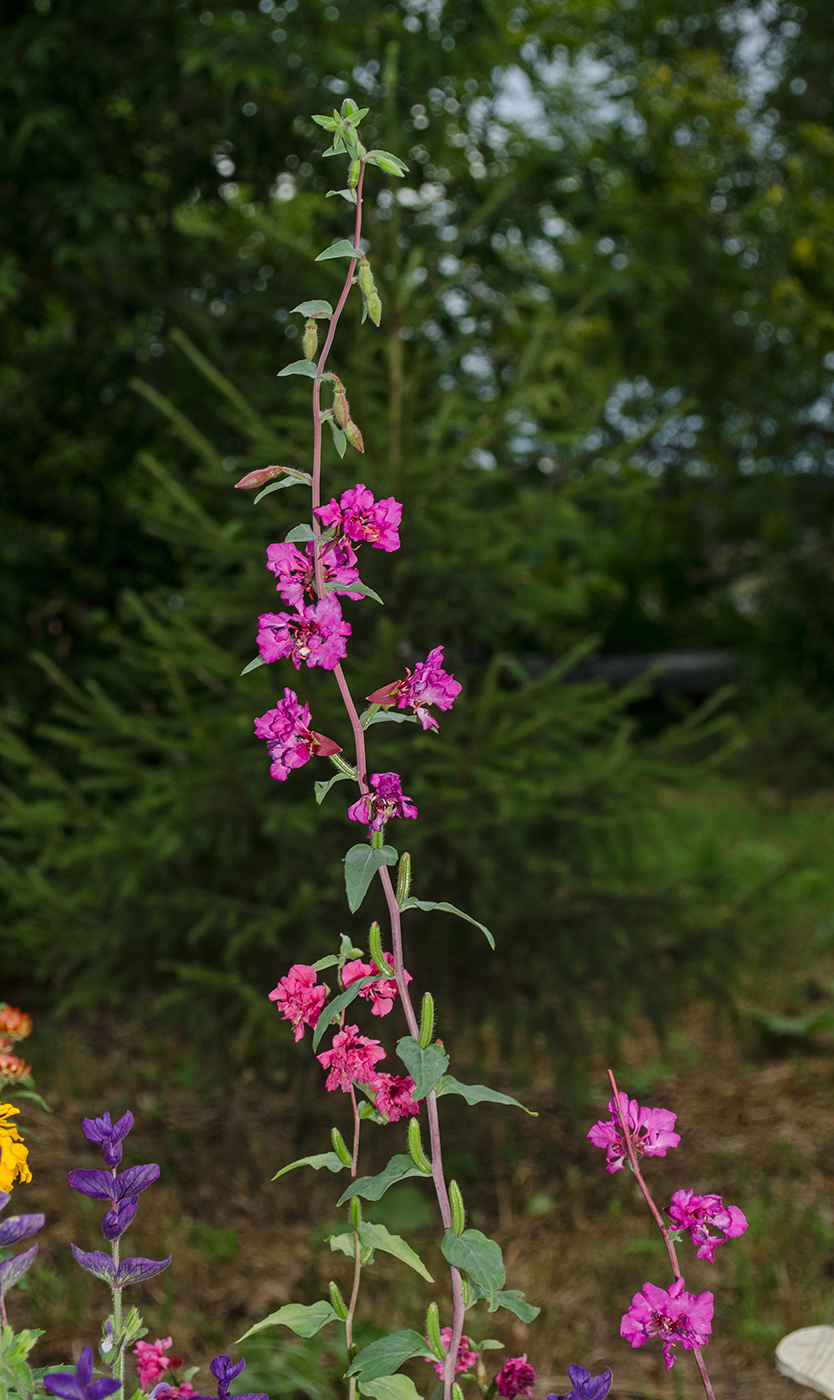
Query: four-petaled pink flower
x,y
294,571
386,800
393,1096
352,1056
300,997
516,1377
315,634
428,685
289,739
381,995
466,1357
675,1316
650,1129
363,519
701,1214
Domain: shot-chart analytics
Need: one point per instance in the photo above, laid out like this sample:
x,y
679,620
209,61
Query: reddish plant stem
x,y
661,1224
357,1243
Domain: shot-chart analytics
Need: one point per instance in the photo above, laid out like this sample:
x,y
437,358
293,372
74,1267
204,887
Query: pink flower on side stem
x,y
385,800
289,739
429,685
650,1129
152,1363
381,995
363,519
701,1214
675,1316
352,1056
300,997
516,1377
295,575
393,1096
314,635
466,1357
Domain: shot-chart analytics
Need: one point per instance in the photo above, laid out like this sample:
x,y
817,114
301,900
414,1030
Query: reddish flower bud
x,y
322,746
257,478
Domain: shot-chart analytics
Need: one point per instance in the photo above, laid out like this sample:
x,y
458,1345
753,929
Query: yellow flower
x,y
13,1151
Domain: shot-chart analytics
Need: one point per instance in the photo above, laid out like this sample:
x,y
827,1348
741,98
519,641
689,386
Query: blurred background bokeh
x,y
604,390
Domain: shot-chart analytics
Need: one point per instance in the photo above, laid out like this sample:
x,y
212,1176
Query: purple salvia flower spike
x,y
108,1135
118,1218
138,1269
95,1262
12,1270
586,1386
79,1384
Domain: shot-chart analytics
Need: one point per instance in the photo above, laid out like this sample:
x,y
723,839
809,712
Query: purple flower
x,y
428,685
386,800
12,1270
128,1271
109,1135
315,634
118,1218
676,1316
362,518
79,1384
17,1227
224,1370
700,1214
586,1386
516,1377
108,1186
289,739
295,574
650,1130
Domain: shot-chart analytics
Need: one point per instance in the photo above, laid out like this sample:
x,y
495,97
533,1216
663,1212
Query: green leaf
x,y
478,1093
334,1009
392,165
305,367
361,864
342,248
323,786
253,665
390,1388
339,438
373,1188
342,1244
301,534
356,587
478,1256
427,905
426,1067
278,486
384,1357
390,717
377,1237
330,961
313,308
515,1302
305,1320
27,1094
319,1160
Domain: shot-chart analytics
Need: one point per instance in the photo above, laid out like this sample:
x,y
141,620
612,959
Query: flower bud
x,y
415,1147
341,407
340,1147
404,878
433,1332
310,342
374,305
354,173
366,277
458,1211
375,945
426,1021
457,1393
337,1302
356,1211
353,435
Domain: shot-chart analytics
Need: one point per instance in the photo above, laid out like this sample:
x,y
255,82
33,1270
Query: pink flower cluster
x,y
673,1314
152,1365
290,741
702,1214
381,995
295,574
364,520
385,800
300,997
650,1130
428,685
516,1377
466,1357
315,634
352,1056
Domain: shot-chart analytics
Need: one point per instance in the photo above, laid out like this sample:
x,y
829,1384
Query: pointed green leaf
x,y
478,1093
300,534
313,308
378,1237
478,1256
253,665
323,786
334,1009
278,486
330,961
391,717
343,248
342,1244
356,587
319,1160
426,1067
339,439
361,864
384,1357
392,165
390,1388
515,1302
305,367
303,1319
427,905
373,1188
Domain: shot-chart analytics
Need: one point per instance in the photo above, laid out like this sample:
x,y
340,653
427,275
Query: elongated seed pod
x,y
374,305
457,1393
366,277
458,1210
375,945
340,1147
353,174
404,878
426,1021
341,407
465,1290
355,1212
337,1302
415,1147
310,343
433,1332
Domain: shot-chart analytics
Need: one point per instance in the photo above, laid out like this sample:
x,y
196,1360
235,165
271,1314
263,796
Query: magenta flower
x,y
300,997
352,1056
700,1214
516,1377
362,518
289,739
676,1316
429,685
381,995
466,1357
314,634
295,575
650,1129
386,800
152,1362
586,1386
393,1096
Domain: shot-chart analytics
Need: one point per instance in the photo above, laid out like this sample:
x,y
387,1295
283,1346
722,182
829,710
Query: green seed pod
x,y
415,1147
310,343
426,1021
353,434
366,277
465,1290
355,1212
404,878
457,1393
353,174
458,1211
340,1147
341,407
375,944
374,306
337,1302
433,1332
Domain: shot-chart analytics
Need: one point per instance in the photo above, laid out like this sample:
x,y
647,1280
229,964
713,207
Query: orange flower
x,y
13,1068
14,1024
13,1150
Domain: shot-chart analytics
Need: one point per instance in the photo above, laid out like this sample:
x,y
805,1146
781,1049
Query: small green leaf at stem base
x,y
342,248
357,586
253,665
303,1319
323,786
